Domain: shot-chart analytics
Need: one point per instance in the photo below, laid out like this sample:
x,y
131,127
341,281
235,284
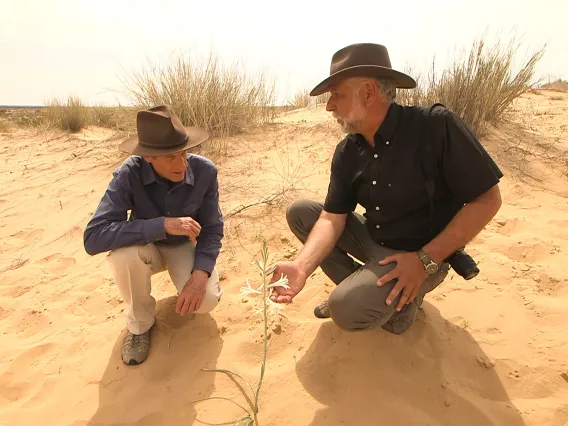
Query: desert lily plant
x,y
268,308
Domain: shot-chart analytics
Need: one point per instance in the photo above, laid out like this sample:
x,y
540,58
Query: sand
x,y
490,351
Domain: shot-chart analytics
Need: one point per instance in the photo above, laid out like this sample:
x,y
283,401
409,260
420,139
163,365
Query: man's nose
x,y
330,106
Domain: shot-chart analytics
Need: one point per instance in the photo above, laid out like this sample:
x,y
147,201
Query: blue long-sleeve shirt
x,y
137,188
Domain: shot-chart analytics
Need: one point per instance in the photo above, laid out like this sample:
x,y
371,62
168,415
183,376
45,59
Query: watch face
x,y
431,268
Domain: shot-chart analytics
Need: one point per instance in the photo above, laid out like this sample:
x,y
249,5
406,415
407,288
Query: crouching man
x,y
426,183
175,224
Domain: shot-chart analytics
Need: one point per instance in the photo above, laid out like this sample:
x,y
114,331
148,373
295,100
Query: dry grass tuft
x,y
222,99
71,115
5,126
479,87
302,99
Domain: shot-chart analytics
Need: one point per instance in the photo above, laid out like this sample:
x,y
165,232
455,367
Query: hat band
x,y
162,145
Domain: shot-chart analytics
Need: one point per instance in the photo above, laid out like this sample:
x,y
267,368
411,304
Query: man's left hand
x,y
193,293
410,273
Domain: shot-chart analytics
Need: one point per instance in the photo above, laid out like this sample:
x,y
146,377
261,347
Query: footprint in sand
x,y
29,235
56,263
16,383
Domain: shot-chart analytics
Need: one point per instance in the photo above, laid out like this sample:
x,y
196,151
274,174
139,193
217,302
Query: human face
x,y
171,167
347,105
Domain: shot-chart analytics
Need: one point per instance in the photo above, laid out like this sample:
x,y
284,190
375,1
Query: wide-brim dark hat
x,y
362,60
161,132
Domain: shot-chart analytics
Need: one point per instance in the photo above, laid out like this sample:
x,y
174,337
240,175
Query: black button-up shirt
x,y
389,182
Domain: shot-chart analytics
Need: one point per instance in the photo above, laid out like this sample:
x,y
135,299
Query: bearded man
x,y
427,185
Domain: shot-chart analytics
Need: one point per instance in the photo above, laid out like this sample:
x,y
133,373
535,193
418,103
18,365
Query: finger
x,y
389,259
179,303
199,302
394,292
284,299
275,275
403,299
387,277
195,228
412,295
192,308
186,304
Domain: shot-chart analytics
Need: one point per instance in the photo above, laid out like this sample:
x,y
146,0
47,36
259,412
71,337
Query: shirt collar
x,y
386,131
149,175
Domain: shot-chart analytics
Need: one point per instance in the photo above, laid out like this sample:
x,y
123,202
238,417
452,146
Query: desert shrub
x,y
480,86
224,99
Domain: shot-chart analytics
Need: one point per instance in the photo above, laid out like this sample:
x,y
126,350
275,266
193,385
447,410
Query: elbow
x,y
89,244
496,200
491,200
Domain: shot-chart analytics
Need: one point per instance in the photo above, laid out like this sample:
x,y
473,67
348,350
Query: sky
x,y
59,48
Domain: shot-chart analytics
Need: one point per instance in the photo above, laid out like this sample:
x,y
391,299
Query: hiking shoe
x,y
401,321
322,311
135,348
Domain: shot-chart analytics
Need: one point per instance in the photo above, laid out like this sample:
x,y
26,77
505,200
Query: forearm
x,y
106,235
467,223
208,248
320,242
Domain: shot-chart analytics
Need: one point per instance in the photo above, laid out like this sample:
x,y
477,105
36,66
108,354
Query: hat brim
x,y
196,136
401,80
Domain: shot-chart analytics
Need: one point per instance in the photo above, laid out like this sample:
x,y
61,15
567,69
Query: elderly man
x,y
427,186
175,224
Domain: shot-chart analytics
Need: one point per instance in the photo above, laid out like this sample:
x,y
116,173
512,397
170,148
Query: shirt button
x,y
377,208
374,182
376,155
377,226
387,142
390,185
382,243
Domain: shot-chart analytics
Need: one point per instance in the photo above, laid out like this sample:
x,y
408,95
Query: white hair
x,y
385,86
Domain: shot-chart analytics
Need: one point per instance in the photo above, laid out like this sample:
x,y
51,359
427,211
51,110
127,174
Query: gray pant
x,y
357,303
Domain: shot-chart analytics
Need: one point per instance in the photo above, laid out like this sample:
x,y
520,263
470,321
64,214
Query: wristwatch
x,y
430,266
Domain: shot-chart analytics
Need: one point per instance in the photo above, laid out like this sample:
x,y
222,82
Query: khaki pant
x,y
133,267
357,303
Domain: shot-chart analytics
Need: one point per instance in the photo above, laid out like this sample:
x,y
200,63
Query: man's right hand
x,y
182,226
296,280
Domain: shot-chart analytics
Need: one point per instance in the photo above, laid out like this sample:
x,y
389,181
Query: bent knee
x,y
355,309
213,295
303,212
124,255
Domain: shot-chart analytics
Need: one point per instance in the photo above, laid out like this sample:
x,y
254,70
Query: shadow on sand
x,y
159,391
431,375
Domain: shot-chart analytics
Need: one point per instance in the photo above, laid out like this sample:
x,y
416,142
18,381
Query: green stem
x,y
224,399
263,364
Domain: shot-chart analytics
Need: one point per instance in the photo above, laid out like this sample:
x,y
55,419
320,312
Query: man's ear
x,y
148,158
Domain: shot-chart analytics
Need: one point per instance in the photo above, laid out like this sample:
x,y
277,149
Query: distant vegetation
x,y
480,87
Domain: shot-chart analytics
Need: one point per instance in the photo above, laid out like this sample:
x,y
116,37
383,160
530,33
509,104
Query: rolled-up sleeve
x,y
340,198
109,228
468,169
211,220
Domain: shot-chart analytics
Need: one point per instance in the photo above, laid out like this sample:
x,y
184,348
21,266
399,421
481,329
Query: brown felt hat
x,y
362,60
160,132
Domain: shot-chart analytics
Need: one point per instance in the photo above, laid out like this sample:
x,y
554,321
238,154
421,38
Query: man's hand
x,y
410,273
296,281
182,226
193,293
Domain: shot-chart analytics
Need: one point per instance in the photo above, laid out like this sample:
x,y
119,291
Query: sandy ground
x,y
490,351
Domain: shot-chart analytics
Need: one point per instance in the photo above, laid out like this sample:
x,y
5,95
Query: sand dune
x,y
490,351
